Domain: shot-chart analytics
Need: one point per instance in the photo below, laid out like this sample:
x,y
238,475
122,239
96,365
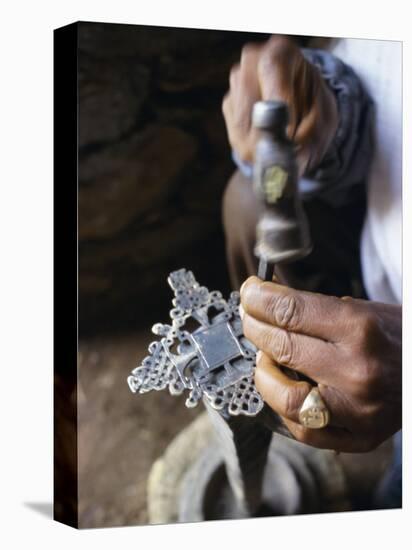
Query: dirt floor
x,y
120,434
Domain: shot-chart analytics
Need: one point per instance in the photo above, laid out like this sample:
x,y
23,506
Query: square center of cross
x,y
217,345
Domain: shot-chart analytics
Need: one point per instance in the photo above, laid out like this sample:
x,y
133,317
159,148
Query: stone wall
x,y
153,163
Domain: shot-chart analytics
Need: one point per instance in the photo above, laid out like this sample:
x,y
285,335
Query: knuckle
x,y
249,51
370,415
367,328
285,311
280,47
351,316
368,382
284,348
268,341
371,369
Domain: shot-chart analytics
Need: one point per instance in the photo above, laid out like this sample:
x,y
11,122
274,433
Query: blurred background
x,y
153,164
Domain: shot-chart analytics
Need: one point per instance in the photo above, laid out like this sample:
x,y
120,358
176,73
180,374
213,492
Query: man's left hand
x,y
351,348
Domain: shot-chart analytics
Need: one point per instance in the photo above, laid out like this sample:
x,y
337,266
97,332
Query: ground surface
x,y
120,434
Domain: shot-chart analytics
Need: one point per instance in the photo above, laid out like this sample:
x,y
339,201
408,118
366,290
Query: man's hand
x,y
351,348
278,70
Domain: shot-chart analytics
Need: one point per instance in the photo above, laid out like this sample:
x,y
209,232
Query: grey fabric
x,y
389,492
344,168
348,158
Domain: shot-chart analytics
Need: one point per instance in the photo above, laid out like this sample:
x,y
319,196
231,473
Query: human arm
x,y
331,115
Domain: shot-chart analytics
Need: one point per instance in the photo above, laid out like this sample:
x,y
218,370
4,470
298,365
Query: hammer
x,y
282,232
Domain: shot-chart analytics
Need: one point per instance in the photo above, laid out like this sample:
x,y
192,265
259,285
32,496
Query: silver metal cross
x,y
205,352
213,360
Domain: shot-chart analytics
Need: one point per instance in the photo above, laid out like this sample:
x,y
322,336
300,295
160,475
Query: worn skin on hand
x,y
351,348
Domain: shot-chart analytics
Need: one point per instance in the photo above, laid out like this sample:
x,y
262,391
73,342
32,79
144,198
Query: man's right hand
x,y
277,70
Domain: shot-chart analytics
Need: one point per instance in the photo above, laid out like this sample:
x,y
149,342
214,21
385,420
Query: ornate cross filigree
x,y
203,351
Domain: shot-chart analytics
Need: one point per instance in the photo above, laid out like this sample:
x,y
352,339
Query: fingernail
x,y
258,356
242,287
241,312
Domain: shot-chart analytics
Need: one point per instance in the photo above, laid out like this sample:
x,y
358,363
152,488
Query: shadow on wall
x,y
153,163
